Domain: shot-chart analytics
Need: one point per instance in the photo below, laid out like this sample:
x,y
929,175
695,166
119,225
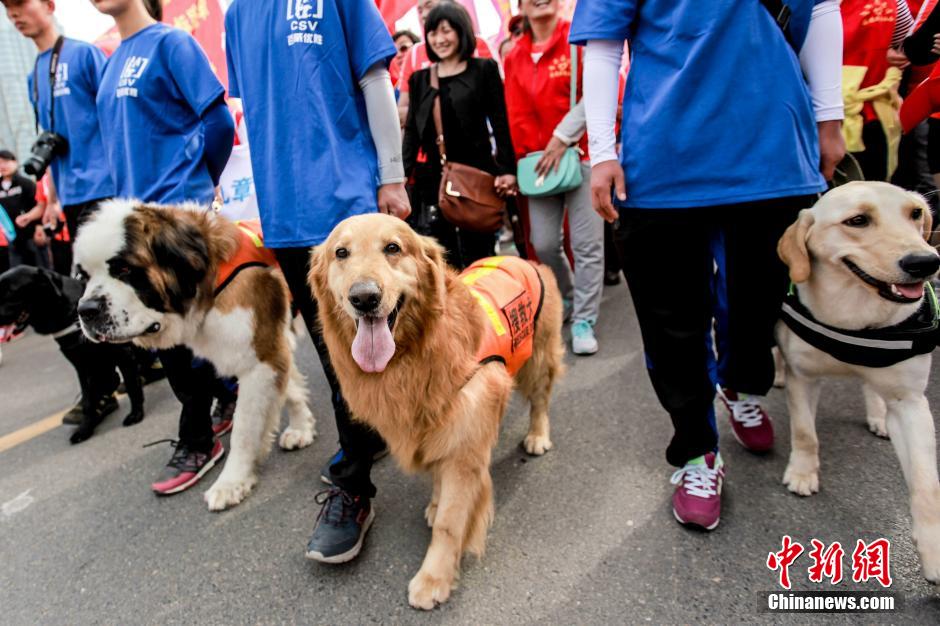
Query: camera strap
x,y
53,66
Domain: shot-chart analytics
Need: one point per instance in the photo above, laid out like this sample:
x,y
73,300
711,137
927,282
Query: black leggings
x,y
667,259
874,158
359,442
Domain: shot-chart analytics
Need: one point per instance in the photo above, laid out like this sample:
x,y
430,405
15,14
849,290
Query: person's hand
x,y
51,215
23,219
936,44
897,58
393,200
505,185
831,146
40,238
604,177
551,157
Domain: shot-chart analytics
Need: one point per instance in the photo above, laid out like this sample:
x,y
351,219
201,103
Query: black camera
x,y
47,147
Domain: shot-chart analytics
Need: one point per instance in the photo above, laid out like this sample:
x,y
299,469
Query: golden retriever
x,y
422,387
859,260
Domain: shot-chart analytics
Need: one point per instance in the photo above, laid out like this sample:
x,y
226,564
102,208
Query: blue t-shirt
x,y
153,92
297,72
715,110
82,174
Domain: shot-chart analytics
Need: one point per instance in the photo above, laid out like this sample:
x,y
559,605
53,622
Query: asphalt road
x,y
583,535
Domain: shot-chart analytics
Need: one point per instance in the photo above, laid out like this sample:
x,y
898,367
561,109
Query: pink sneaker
x,y
697,499
749,421
185,469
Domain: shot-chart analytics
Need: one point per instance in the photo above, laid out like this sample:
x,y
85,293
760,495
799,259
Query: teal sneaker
x,y
582,338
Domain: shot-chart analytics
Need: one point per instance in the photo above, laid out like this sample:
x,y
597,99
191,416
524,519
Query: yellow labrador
x,y
860,263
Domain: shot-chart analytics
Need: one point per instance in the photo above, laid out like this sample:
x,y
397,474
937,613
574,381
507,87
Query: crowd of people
x,y
732,118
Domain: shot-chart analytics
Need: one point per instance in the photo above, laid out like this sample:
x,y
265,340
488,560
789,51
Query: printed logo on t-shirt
x,y
560,67
61,87
133,69
878,11
11,192
303,16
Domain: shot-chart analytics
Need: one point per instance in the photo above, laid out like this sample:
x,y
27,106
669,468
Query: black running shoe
x,y
341,527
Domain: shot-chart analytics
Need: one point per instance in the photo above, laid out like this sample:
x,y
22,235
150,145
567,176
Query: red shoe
x,y
750,423
697,498
185,469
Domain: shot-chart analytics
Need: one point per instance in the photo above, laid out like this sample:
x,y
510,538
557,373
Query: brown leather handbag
x,y
467,196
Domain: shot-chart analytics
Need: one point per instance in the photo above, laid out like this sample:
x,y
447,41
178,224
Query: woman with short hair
x,y
471,93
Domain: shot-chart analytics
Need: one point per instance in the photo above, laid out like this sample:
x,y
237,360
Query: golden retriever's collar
x,y
875,347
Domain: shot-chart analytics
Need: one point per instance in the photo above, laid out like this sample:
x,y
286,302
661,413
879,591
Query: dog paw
x,y
80,435
134,417
425,591
430,512
223,495
878,428
536,445
294,439
932,571
927,540
802,483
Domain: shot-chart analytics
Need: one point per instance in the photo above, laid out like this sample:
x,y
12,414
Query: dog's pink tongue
x,y
373,346
912,290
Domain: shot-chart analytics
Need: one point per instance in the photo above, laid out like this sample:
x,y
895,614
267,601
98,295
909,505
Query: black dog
x,y
48,302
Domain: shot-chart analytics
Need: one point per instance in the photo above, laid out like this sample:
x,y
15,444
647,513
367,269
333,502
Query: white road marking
x,y
17,504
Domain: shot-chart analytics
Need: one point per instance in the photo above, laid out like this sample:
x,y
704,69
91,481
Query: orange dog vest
x,y
510,292
250,253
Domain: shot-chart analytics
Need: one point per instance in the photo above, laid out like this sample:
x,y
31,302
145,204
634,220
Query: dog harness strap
x,y
250,253
877,347
509,290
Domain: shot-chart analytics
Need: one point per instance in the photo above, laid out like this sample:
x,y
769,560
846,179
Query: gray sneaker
x,y
582,338
341,527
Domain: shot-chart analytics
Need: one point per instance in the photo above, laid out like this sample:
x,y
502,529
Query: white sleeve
x,y
821,60
601,83
571,127
384,125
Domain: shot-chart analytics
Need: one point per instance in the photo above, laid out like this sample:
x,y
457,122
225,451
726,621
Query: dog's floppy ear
x,y
432,254
316,277
181,250
792,246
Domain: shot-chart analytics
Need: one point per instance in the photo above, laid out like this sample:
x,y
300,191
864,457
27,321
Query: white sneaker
x,y
582,338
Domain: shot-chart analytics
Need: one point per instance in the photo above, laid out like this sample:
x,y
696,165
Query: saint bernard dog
x,y
163,276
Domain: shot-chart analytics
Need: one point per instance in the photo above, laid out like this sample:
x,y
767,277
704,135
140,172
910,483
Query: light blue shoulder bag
x,y
568,175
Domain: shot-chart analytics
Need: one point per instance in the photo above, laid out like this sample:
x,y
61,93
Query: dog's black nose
x,y
920,265
365,296
90,309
